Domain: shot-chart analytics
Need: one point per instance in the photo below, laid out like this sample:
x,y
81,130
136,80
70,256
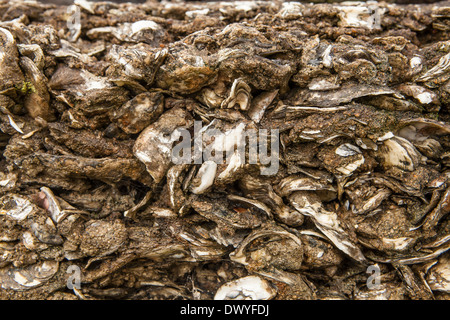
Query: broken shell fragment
x,y
232,211
366,16
146,31
443,66
260,103
239,95
247,288
16,207
293,183
21,279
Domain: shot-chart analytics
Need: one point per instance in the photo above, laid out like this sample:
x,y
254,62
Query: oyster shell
x,y
247,288
438,275
20,279
240,95
16,207
327,222
138,113
153,146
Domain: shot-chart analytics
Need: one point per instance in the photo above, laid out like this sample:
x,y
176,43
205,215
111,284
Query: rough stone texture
x,y
89,112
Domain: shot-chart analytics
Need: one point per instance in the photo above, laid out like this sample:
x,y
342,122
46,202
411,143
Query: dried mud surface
x,y
93,95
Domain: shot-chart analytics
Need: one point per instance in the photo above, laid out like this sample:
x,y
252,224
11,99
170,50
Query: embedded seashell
x,y
37,101
34,52
146,31
209,98
138,113
247,288
11,75
195,13
327,58
52,206
16,207
416,64
438,277
333,98
73,23
86,5
234,168
427,127
397,244
232,140
185,72
31,242
395,43
21,279
347,150
366,144
87,92
258,72
154,145
46,232
322,85
291,10
69,50
263,192
260,103
174,183
101,238
295,183
422,95
223,237
400,153
231,212
249,202
441,209
267,255
421,289
239,95
374,202
360,16
205,177
343,162
385,291
327,222
430,147
443,66
240,6
138,62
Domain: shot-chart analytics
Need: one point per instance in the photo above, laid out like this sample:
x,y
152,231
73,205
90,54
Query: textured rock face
x,y
268,150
